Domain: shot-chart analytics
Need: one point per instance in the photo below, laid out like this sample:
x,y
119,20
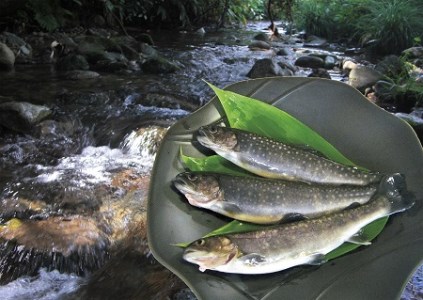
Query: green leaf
x,y
235,226
261,118
213,163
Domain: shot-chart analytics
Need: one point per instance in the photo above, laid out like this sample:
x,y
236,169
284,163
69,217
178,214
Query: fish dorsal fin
x,y
253,259
359,238
317,259
308,148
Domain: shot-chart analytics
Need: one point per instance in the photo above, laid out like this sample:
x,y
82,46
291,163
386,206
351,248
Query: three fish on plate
x,y
314,203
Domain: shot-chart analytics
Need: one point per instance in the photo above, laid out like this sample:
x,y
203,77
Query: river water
x,y
96,135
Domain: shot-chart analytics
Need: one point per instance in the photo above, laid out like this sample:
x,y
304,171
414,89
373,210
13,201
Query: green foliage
x,y
191,13
50,14
329,19
394,24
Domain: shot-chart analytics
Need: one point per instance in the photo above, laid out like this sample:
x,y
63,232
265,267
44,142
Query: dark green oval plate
x,y
364,133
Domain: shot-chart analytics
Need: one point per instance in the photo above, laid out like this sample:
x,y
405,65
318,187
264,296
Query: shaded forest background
x,y
389,26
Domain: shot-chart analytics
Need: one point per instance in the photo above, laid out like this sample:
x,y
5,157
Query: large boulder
x,y
7,58
315,42
262,37
363,77
159,65
22,116
72,62
22,50
266,67
259,45
310,61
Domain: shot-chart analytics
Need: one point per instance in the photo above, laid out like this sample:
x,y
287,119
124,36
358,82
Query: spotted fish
x,y
264,201
273,159
279,247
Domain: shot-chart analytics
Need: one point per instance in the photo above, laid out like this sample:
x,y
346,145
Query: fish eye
x,y
192,177
201,242
213,129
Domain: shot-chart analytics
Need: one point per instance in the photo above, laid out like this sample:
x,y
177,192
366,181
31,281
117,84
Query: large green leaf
x,y
256,116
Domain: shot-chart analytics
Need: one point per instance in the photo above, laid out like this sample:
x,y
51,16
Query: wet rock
x,y
363,77
330,62
159,65
110,65
70,244
310,61
265,67
148,51
95,48
287,65
21,116
284,52
314,41
136,274
200,31
413,52
128,46
23,208
81,75
63,235
7,58
348,65
92,52
21,49
259,45
320,73
262,37
72,62
145,141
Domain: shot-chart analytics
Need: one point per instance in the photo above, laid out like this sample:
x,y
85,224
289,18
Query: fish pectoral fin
x,y
317,259
253,259
352,205
231,207
359,238
293,217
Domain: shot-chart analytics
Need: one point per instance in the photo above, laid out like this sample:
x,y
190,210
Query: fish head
x,y
200,189
217,137
212,252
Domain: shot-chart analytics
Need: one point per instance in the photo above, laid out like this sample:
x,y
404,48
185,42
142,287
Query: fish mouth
x,y
182,185
204,138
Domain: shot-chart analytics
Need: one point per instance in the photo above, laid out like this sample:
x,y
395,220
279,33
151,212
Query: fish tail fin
x,y
394,188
